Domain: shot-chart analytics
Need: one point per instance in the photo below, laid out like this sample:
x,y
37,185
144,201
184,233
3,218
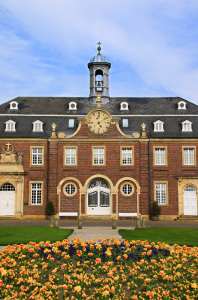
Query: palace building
x,y
98,156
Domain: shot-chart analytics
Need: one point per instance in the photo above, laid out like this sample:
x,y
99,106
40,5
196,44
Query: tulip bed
x,y
108,269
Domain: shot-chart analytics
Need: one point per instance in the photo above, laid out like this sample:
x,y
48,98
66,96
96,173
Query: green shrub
x,y
49,209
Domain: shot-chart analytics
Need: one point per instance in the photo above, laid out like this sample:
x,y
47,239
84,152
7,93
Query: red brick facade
x,y
141,175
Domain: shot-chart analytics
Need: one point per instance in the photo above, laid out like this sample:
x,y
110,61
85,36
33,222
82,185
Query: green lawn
x,y
168,235
26,234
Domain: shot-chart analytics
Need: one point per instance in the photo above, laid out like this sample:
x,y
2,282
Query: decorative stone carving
x,y
7,155
53,136
136,135
143,131
20,157
61,135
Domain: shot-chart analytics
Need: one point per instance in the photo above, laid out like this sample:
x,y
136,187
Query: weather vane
x,y
99,48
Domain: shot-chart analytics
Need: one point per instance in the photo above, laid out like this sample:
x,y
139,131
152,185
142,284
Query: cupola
x,y
99,77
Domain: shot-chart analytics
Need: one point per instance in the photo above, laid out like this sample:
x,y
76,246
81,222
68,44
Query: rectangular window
x,y
160,193
125,123
71,123
127,156
189,156
160,156
98,156
70,156
37,156
36,193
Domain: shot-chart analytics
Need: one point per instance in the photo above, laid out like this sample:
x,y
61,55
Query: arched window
x,y
187,125
124,106
99,80
181,105
7,187
13,105
37,126
72,105
10,125
158,125
190,188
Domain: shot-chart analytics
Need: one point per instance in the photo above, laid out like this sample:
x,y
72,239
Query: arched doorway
x,y
98,197
7,200
190,200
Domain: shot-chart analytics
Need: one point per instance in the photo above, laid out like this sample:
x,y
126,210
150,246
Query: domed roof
x,y
99,58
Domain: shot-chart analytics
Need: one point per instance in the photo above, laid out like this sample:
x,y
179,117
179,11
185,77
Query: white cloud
x,y
48,43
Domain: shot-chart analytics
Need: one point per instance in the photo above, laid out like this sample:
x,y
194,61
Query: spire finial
x,y
99,48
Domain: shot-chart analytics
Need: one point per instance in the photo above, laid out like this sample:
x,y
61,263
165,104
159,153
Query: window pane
x,y
70,156
104,199
160,190
125,123
127,156
189,157
36,193
37,156
93,199
98,158
71,123
160,156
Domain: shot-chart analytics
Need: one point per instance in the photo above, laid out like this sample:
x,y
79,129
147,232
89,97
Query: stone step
x,y
188,218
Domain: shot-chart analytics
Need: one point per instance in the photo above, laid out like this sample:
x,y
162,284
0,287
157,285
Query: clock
x,y
98,121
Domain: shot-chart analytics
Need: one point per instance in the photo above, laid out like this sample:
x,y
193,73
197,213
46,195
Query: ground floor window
x,y
36,193
161,193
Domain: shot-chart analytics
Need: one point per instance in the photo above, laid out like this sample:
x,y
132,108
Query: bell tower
x,y
99,77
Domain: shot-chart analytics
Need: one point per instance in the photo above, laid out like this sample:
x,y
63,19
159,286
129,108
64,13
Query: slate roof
x,y
55,110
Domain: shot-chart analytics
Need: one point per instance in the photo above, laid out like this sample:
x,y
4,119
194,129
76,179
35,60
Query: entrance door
x,y
190,201
98,198
7,200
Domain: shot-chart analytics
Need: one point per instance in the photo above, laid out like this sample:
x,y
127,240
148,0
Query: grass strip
x,y
25,234
168,235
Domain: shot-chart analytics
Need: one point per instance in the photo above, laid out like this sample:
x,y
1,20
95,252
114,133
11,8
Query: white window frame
x,y
70,156
15,103
186,126
71,123
36,187
189,156
158,126
10,125
72,103
160,156
125,123
161,193
98,156
37,124
123,104
127,156
37,156
181,103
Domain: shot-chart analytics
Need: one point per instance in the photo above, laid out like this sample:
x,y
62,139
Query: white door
x,y
98,198
7,200
190,201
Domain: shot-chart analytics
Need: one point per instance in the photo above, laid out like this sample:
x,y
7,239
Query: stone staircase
x,y
187,218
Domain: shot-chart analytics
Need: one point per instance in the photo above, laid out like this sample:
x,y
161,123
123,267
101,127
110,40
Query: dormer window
x,y
13,105
124,106
71,123
182,105
37,126
158,125
10,125
72,105
125,123
187,126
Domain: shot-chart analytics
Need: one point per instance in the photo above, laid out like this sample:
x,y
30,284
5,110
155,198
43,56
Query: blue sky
x,y
152,45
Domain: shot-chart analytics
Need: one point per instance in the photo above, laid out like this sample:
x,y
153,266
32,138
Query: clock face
x,y
98,121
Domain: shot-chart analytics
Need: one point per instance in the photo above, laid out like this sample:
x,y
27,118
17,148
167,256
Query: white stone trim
x,y
127,214
68,214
